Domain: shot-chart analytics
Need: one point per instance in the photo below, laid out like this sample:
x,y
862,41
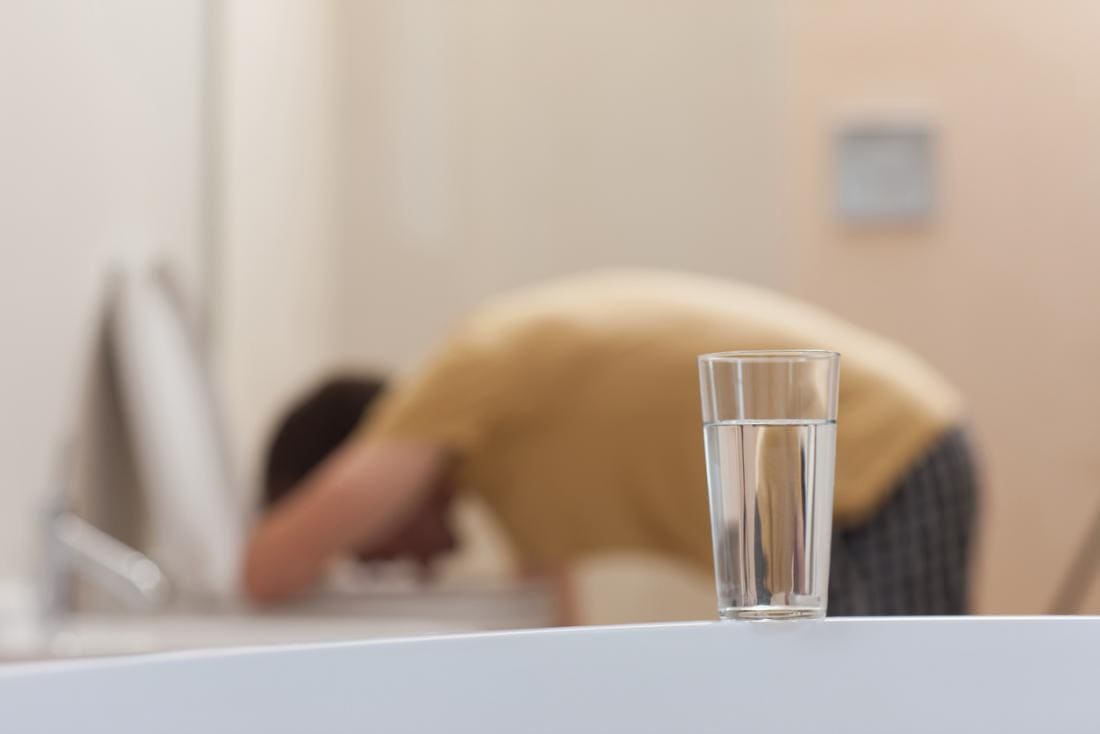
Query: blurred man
x,y
572,409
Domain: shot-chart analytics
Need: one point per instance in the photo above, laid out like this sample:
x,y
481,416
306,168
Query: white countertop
x,y
837,675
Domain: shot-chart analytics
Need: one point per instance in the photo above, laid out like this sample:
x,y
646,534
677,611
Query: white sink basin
x,y
113,635
329,618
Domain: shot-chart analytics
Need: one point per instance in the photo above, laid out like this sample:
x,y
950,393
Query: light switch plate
x,y
884,172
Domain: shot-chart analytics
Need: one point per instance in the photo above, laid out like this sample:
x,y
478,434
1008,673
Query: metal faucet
x,y
74,549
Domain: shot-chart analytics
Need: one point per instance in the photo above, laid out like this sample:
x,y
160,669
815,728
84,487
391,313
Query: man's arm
x,y
362,491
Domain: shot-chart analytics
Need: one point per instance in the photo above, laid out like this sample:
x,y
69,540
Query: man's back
x,y
573,407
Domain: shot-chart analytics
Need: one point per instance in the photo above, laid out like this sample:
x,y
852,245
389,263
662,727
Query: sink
x,y
328,617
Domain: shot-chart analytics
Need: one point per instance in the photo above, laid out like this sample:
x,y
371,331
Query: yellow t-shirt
x,y
573,408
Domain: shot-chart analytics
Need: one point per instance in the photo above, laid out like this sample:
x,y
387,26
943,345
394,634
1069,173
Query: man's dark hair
x,y
315,426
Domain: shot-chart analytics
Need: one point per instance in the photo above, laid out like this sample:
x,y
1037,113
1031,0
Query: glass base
x,y
771,612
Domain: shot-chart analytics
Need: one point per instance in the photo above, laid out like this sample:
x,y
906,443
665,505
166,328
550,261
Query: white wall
x,y
494,142
99,155
389,163
281,140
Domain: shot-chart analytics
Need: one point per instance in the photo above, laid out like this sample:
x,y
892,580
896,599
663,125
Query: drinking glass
x,y
769,420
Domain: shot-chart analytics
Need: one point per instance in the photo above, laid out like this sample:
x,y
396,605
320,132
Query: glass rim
x,y
771,355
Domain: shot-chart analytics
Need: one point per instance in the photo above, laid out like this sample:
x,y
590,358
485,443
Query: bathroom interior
x,y
206,205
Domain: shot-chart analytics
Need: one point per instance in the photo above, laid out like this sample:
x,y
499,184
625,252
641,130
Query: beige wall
x,y
494,142
389,163
1000,289
281,139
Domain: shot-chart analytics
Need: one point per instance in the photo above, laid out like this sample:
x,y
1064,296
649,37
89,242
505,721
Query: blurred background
x,y
333,182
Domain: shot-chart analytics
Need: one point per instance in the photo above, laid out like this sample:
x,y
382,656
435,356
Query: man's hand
x,y
356,498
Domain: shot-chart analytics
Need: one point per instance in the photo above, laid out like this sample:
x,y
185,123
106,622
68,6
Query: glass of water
x,y
769,419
